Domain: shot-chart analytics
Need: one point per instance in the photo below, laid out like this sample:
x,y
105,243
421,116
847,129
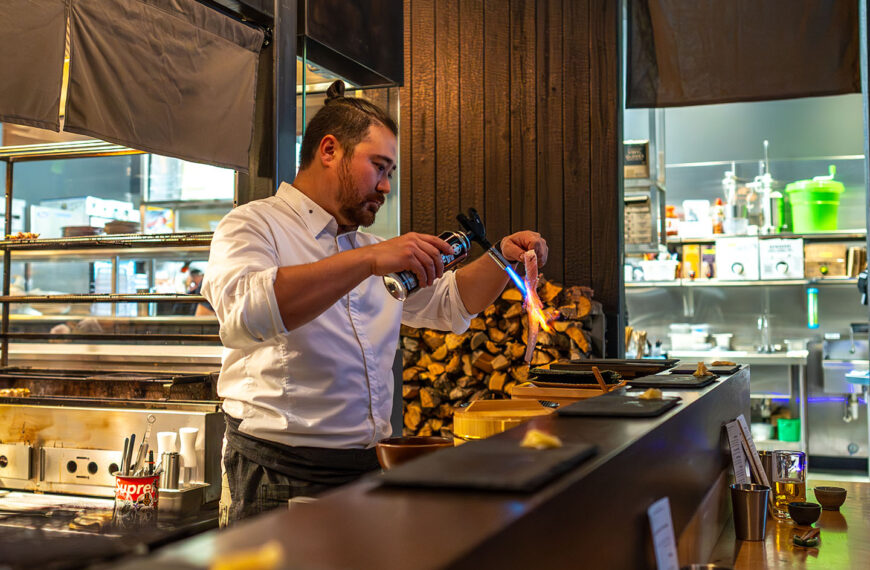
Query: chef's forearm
x,y
304,291
480,283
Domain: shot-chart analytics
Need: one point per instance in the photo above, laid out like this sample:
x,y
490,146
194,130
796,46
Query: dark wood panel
x,y
523,132
550,134
406,119
447,115
604,136
579,206
423,124
512,107
471,101
497,143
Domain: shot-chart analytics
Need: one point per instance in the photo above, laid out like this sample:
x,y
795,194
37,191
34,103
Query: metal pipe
x,y
7,267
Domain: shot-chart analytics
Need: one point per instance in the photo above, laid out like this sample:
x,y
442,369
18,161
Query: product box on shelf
x,y
708,261
737,259
691,255
825,260
782,258
635,159
856,260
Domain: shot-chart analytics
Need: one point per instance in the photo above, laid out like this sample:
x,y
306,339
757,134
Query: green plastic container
x,y
815,203
789,429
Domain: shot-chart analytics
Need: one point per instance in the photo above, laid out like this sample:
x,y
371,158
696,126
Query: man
x,y
309,329
194,287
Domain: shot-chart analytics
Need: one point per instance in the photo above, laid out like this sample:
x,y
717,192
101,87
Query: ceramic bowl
x,y
397,450
830,497
804,514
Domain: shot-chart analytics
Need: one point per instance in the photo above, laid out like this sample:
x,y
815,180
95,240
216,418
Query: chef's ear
x,y
329,151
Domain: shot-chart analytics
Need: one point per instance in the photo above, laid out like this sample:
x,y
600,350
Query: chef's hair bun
x,y
335,91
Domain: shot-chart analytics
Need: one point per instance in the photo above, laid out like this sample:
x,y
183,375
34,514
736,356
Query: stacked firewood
x,y
444,370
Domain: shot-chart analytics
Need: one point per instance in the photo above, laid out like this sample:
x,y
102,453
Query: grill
x,y
141,388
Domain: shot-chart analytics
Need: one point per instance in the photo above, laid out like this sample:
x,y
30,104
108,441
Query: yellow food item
x,y
15,392
701,371
538,439
22,235
723,363
651,394
267,557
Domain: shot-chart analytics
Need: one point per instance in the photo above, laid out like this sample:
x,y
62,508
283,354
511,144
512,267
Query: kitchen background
x,y
697,145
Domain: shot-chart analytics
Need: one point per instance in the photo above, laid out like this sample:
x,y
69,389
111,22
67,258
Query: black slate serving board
x,y
491,465
627,368
672,381
619,405
571,377
689,367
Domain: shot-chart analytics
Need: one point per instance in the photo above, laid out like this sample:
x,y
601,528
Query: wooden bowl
x,y
804,514
397,450
831,498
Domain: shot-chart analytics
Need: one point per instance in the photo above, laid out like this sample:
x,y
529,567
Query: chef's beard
x,y
351,208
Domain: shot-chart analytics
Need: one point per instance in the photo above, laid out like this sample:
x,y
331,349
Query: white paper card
x,y
738,458
662,527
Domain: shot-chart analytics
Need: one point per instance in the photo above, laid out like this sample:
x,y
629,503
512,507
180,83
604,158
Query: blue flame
x,y
517,280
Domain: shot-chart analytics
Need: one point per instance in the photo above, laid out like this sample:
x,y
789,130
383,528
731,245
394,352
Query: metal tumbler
x,y
767,462
171,469
750,510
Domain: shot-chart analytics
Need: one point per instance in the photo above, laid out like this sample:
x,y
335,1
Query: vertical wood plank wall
x,y
512,107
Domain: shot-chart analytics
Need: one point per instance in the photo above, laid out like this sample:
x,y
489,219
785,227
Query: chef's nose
x,y
383,185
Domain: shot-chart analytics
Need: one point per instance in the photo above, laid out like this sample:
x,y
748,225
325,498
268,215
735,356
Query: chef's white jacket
x,y
329,382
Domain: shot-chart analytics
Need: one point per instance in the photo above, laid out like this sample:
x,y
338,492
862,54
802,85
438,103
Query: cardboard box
x,y
737,259
635,159
781,258
824,260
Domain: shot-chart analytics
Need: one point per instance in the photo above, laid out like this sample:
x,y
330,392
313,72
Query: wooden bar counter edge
x,y
594,516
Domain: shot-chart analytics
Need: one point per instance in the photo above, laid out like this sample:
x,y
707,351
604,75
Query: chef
x,y
309,329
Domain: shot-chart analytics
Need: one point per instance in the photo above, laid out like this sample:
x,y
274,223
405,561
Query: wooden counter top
x,y
845,537
594,516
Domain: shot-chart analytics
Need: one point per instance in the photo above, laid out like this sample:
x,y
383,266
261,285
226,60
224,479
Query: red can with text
x,y
135,500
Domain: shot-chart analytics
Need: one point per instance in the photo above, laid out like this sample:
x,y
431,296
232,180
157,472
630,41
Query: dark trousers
x,y
263,475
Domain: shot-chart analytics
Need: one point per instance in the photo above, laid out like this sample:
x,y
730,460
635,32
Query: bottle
x,y
402,284
672,222
718,216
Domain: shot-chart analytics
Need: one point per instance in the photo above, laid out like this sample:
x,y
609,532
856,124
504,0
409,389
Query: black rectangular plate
x,y
490,465
675,381
619,405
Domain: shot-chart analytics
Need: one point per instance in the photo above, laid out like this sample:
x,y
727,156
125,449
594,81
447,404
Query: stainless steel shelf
x,y
118,241
759,283
835,235
103,298
112,337
776,444
55,151
155,319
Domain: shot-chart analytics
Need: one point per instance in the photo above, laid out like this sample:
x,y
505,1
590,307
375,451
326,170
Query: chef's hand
x,y
419,253
514,245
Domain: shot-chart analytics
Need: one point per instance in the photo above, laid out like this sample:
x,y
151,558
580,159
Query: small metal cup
x,y
767,463
171,469
750,510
